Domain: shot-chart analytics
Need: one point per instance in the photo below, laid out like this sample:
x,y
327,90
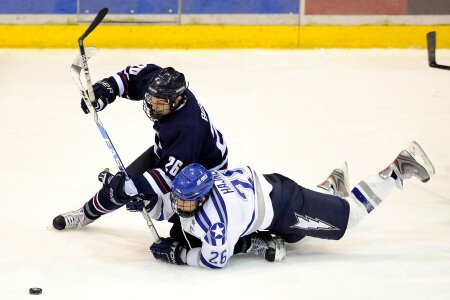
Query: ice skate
x,y
71,220
410,162
337,182
267,245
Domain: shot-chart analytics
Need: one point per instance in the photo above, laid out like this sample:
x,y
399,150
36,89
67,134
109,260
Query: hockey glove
x,y
169,250
117,187
142,201
135,205
104,94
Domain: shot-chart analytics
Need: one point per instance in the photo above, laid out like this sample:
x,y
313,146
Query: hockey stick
x,y
80,64
431,45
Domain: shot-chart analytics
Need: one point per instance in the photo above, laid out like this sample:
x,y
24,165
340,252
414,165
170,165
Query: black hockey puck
x,y
35,291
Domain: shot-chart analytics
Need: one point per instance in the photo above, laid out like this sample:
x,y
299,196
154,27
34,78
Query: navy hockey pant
x,y
299,212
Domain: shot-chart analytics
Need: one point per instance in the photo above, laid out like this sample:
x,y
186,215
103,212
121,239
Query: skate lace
x,y
74,218
259,246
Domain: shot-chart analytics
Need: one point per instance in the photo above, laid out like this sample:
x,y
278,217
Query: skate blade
x,y
345,170
280,252
418,154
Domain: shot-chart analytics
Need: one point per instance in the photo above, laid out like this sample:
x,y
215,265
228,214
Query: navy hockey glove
x,y
135,205
116,187
169,250
104,95
142,201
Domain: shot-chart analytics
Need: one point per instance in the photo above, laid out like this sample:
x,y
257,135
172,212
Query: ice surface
x,y
299,113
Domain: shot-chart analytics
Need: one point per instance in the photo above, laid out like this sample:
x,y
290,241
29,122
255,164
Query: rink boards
x,y
219,37
199,24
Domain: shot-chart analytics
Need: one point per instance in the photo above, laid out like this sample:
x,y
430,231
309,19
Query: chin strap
x,y
187,240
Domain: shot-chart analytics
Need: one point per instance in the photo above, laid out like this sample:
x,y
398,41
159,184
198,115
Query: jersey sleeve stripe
x,y
163,175
209,240
119,84
160,181
157,182
125,82
205,218
153,185
201,223
219,208
221,204
126,73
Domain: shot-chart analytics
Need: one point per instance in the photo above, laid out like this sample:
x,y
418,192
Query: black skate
x,y
271,247
71,220
409,163
337,182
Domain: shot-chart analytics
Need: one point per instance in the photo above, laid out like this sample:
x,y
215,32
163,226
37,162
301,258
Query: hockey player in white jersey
x,y
219,207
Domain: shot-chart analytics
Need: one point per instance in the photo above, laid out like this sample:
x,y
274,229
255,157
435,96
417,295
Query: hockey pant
x,y
300,212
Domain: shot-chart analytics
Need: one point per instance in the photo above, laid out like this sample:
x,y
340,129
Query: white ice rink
x,y
299,113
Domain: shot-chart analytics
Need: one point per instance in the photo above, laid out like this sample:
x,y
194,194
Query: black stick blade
x,y
443,67
431,45
100,16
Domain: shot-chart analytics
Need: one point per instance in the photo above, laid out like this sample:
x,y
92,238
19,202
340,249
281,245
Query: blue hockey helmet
x,y
190,188
167,84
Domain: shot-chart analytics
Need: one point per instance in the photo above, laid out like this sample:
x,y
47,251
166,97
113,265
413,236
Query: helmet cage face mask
x,y
182,213
150,111
152,114
167,84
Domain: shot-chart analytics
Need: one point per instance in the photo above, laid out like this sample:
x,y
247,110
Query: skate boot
x,y
337,182
71,220
271,247
410,162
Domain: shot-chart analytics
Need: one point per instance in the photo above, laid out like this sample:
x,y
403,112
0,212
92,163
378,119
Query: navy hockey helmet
x,y
192,185
167,84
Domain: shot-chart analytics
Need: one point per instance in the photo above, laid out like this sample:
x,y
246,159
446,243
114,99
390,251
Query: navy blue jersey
x,y
132,82
185,136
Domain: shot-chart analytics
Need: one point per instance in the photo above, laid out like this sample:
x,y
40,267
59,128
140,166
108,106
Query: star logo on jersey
x,y
307,223
217,231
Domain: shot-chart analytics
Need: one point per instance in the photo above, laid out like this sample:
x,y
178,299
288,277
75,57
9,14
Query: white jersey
x,y
238,205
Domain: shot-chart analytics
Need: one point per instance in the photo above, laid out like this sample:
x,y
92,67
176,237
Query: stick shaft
x,y
89,97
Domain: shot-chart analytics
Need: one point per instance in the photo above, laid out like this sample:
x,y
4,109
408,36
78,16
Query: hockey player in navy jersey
x,y
184,134
220,207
